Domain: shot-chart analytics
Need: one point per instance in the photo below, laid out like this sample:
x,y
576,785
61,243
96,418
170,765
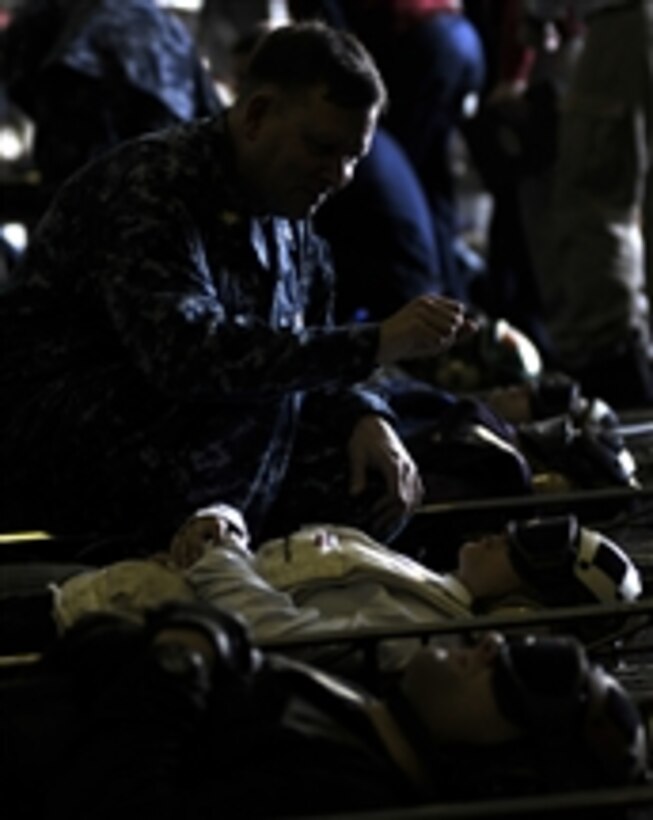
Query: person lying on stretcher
x,y
181,716
538,437
323,579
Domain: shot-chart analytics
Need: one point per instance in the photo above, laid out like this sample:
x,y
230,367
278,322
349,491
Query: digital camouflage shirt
x,y
161,341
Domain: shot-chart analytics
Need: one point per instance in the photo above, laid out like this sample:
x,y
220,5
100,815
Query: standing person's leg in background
x,y
593,287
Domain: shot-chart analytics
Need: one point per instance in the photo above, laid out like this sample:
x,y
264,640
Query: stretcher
x,y
628,651
629,657
627,513
610,495
437,530
603,507
30,561
455,516
632,803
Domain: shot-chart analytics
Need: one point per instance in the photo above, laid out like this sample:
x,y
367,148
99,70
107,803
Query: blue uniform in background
x,y
92,73
380,231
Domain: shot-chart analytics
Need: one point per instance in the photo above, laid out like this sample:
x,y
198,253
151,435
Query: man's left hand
x,y
374,445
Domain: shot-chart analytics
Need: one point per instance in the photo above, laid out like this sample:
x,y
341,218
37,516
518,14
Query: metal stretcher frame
x,y
473,514
446,525
627,641
543,501
635,425
54,546
370,637
580,501
638,615
599,802
482,623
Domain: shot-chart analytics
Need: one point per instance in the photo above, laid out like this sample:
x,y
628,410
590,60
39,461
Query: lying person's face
x,y
305,149
451,693
485,569
513,403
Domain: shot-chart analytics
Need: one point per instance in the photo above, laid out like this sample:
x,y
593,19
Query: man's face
x,y
484,567
302,148
451,691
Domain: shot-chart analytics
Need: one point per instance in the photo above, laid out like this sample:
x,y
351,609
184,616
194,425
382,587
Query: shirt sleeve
x,y
181,320
227,579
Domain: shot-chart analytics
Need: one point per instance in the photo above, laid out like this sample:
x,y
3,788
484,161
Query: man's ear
x,y
257,108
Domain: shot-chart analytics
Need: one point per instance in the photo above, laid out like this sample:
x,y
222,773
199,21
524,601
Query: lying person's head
x,y
559,440
532,714
528,715
547,562
537,562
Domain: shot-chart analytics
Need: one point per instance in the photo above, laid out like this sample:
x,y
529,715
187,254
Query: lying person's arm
x,y
213,548
227,578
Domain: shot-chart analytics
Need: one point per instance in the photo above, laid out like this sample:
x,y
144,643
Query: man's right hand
x,y
425,327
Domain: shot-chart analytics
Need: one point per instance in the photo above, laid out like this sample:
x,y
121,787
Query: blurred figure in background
x,y
432,60
513,143
92,73
381,234
593,285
